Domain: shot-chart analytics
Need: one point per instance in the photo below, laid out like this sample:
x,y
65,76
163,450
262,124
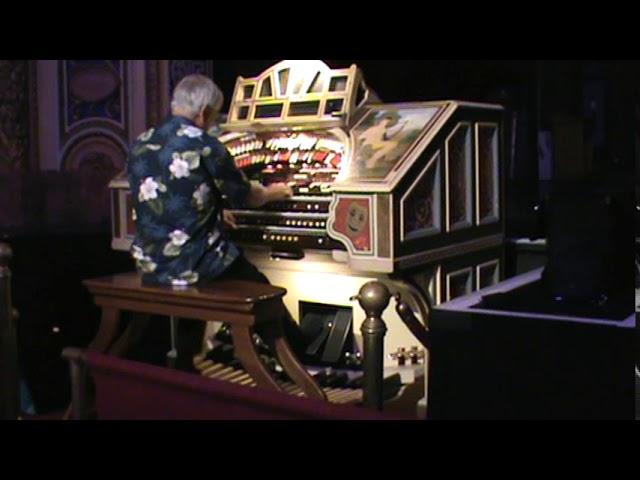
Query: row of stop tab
x,y
305,223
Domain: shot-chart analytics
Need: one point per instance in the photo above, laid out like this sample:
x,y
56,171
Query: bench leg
x,y
246,352
273,335
80,401
133,333
109,324
79,405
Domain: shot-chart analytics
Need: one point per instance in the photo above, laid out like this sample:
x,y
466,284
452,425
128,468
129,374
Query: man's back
x,y
176,172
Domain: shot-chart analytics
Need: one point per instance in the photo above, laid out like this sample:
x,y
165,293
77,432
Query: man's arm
x,y
234,184
257,197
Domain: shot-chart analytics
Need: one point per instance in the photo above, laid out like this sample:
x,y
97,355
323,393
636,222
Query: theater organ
x,y
407,193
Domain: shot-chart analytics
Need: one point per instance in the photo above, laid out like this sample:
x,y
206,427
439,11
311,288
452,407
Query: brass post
x,y
373,298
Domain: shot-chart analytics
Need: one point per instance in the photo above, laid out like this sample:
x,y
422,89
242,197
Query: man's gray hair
x,y
194,93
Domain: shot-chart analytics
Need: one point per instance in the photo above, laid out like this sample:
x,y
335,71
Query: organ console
x,y
407,193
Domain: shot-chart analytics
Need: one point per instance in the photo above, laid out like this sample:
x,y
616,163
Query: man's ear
x,y
209,116
199,120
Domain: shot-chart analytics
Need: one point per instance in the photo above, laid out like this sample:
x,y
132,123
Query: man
x,y
179,173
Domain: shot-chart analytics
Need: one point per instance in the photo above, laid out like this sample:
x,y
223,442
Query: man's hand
x,y
229,219
261,195
278,191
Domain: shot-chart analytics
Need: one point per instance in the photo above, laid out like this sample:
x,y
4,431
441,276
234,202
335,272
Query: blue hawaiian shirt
x,y
178,174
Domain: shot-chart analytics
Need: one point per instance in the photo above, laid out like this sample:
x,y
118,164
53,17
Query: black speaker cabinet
x,y
590,244
488,362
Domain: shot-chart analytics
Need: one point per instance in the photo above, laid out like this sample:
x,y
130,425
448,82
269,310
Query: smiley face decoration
x,y
352,222
357,220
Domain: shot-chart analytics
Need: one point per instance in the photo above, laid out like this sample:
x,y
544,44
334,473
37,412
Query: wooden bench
x,y
242,305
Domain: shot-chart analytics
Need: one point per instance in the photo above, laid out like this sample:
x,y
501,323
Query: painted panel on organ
x,y
459,283
353,221
382,139
459,176
421,207
488,178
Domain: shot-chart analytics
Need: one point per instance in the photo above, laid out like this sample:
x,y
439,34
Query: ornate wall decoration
x,y
161,78
152,85
94,133
14,114
95,161
34,145
178,69
93,90
93,99
96,152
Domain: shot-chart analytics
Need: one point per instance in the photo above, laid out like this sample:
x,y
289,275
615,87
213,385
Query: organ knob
x,y
416,355
400,356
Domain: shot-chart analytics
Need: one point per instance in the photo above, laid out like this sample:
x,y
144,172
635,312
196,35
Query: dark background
x,y
601,97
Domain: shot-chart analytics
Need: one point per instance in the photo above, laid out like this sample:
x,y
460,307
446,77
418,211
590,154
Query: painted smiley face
x,y
356,219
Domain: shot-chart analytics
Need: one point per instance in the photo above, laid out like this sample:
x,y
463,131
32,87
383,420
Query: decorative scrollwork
x,y
94,91
14,114
178,69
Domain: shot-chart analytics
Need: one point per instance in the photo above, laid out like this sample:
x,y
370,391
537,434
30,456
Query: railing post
x,y
9,393
373,298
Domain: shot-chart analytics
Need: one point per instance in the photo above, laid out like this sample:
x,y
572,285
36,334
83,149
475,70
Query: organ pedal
x,y
236,375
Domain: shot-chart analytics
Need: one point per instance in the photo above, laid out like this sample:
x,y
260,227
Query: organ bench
x,y
242,305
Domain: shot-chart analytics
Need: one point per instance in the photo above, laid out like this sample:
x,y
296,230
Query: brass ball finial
x,y
374,298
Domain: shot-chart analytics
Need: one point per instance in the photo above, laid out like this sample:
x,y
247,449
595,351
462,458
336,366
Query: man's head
x,y
198,98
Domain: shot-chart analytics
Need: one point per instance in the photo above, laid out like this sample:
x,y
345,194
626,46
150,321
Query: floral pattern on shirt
x,y
179,174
